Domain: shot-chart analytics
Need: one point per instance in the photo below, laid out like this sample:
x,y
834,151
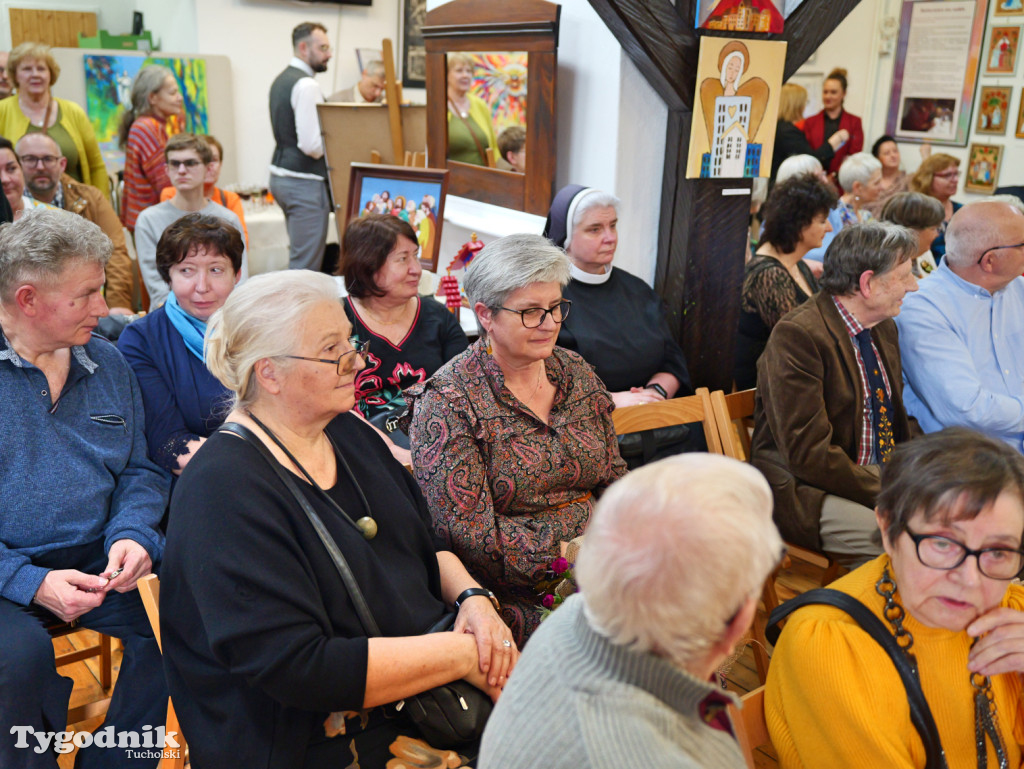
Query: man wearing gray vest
x,y
298,171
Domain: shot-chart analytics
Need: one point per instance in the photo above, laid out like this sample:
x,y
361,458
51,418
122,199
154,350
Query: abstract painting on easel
x,y
733,130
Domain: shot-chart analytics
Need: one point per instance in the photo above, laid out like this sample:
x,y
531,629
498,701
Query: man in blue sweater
x,y
81,501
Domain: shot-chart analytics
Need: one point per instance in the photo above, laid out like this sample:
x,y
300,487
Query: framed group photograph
x,y
993,110
1001,52
983,168
413,194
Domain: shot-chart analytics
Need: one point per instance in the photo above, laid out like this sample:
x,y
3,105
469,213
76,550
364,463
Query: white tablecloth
x,y
268,238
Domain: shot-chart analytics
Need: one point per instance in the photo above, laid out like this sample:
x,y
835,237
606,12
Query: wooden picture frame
x,y
1009,8
1020,117
367,182
473,26
982,172
993,110
413,13
1001,50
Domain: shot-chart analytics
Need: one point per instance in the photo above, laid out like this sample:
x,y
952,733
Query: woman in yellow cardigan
x,y
951,514
470,129
33,70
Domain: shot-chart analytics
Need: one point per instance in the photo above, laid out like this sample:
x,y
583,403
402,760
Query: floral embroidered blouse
x,y
504,488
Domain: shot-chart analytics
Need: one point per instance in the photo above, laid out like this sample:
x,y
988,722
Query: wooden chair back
x,y
734,415
674,411
749,724
149,592
102,649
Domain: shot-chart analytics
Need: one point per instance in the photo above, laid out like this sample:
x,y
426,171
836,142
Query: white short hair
x,y
262,318
674,550
859,167
798,165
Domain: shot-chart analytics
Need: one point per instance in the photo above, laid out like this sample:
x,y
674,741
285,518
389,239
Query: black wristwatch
x,y
472,591
658,389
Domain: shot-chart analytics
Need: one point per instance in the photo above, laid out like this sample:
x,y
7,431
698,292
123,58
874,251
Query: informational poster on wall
x,y
936,70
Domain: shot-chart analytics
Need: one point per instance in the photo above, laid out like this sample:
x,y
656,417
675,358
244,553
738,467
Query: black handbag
x,y
920,713
387,421
448,715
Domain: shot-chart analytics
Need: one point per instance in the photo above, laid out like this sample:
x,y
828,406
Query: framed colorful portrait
x,y
1009,7
983,168
1001,52
413,194
1020,117
993,110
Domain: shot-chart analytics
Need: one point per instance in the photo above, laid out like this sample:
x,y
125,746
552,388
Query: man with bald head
x,y
43,165
962,333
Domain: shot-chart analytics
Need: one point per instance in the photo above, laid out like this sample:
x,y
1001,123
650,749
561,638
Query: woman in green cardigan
x,y
33,70
470,130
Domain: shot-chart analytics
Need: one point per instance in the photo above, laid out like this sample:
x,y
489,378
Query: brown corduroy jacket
x,y
808,415
89,202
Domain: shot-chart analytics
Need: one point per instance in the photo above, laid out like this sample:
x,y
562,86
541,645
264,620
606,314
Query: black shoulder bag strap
x,y
920,713
362,608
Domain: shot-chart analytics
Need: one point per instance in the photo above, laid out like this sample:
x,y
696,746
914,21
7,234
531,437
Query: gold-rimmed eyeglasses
x,y
344,362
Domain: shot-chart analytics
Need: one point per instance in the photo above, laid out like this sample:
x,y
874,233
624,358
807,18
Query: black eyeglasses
x,y
994,248
34,160
349,358
533,317
190,163
946,554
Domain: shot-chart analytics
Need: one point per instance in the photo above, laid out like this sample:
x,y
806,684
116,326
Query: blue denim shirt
x,y
963,356
75,471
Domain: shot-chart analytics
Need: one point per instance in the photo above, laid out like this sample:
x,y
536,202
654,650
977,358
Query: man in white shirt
x,y
962,334
298,171
369,89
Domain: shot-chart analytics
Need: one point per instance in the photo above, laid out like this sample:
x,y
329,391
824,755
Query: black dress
x,y
619,328
790,140
260,639
434,338
769,292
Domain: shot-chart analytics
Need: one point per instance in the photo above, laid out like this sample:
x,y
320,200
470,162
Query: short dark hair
x,y
791,207
874,246
877,146
952,474
511,139
5,144
365,247
913,209
304,30
194,230
183,141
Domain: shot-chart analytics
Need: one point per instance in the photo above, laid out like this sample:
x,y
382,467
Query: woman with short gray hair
x,y
511,439
861,176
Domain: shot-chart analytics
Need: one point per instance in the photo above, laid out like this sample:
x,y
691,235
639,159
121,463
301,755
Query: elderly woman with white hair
x,y
268,660
512,438
618,323
861,176
669,577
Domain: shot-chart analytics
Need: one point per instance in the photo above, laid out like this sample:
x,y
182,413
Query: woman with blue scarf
x,y
200,258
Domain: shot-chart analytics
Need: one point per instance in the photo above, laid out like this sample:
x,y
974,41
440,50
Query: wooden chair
x,y
749,724
734,417
674,411
101,649
149,592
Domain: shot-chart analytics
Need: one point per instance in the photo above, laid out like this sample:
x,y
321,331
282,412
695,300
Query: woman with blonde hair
x,y
266,656
790,140
33,71
470,128
939,176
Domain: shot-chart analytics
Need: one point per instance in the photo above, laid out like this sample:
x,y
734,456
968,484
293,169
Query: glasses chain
x,y
985,715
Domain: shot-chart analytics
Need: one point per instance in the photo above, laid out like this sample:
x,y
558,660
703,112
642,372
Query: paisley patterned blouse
x,y
504,489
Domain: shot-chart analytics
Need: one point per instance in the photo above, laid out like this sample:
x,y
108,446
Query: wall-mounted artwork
x,y
1020,117
1001,53
414,52
738,83
1009,8
108,87
983,168
741,15
993,110
499,78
